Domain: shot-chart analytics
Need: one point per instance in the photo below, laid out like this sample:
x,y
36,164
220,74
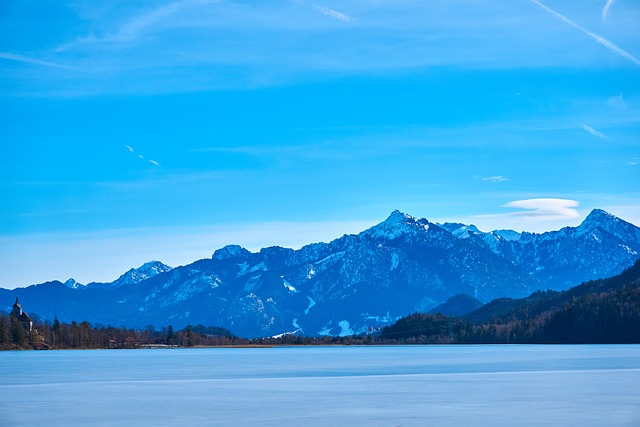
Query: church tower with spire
x,y
21,315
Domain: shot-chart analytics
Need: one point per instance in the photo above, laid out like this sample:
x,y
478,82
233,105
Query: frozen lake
x,y
354,386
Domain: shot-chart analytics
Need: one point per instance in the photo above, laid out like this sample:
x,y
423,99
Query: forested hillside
x,y
600,311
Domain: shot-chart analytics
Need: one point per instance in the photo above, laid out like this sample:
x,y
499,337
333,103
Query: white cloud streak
x,y
533,215
604,42
34,61
605,9
140,156
594,132
327,11
332,13
544,209
494,179
138,25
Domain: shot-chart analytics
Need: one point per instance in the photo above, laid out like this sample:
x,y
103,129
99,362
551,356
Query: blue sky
x,y
133,131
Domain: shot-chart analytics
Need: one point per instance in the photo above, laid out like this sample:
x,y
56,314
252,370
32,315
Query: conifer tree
x,y
18,335
4,330
170,336
55,331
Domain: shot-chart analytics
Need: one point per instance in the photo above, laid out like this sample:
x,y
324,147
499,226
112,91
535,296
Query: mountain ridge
x,y
351,284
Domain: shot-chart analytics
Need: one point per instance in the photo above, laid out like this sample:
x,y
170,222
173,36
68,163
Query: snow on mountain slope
x,y
135,275
72,284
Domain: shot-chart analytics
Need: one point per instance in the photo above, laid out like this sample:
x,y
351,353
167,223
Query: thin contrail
x,y
605,9
27,60
604,42
593,132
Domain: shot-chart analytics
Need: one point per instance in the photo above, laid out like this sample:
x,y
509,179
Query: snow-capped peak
x,y
398,224
397,217
71,283
598,219
153,267
508,235
142,273
461,231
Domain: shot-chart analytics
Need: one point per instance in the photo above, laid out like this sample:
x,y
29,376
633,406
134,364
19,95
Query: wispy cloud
x,y
604,42
140,156
536,215
327,11
593,132
35,61
532,215
617,102
605,9
544,209
138,25
332,13
238,45
494,179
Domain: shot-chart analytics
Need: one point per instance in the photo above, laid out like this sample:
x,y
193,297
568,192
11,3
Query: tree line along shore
x,y
605,311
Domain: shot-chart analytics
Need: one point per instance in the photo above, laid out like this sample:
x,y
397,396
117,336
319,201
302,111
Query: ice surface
x,y
327,386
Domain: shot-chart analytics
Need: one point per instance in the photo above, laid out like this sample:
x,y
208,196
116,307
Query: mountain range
x,y
352,284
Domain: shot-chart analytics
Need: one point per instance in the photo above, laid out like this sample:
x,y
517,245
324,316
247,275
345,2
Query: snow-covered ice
x,y
530,385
